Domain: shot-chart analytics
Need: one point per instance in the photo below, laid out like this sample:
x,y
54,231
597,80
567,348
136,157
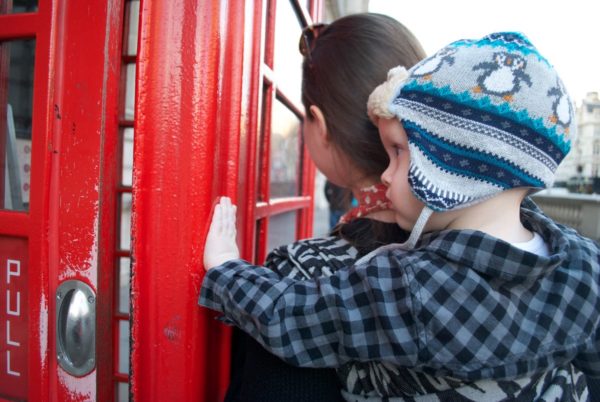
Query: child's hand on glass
x,y
220,245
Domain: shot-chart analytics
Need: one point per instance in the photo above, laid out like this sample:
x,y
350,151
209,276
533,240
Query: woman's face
x,y
407,207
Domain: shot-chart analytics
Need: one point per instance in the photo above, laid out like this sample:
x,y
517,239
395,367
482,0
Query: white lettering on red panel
x,y
13,308
15,318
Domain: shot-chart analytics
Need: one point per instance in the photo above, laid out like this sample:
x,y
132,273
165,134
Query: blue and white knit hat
x,y
481,116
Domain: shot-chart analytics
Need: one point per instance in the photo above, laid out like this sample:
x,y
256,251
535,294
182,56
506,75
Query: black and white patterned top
x,y
462,306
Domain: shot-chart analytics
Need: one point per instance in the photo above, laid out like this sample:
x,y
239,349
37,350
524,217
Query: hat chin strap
x,y
409,244
417,230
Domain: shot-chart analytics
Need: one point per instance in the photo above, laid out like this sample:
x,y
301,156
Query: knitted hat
x,y
481,116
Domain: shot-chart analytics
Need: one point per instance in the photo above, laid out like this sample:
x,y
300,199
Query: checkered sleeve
x,y
588,360
322,322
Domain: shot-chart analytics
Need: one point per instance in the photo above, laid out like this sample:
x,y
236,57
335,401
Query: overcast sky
x,y
567,32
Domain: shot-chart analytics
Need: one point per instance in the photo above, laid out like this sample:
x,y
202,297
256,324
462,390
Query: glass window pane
x,y
123,346
321,208
129,91
124,284
125,233
287,60
16,102
18,6
285,152
282,230
127,160
131,35
123,392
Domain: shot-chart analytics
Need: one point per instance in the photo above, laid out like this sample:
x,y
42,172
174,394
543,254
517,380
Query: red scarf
x,y
370,199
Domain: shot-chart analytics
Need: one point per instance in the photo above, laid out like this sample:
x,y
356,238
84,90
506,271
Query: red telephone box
x,y
221,82
59,87
217,111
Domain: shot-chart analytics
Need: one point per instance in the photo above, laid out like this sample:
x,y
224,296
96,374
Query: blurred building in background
x,y
580,171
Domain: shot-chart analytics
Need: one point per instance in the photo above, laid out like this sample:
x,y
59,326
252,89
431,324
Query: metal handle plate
x,y
76,327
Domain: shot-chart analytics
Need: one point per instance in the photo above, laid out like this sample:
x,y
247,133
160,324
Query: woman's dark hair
x,y
348,59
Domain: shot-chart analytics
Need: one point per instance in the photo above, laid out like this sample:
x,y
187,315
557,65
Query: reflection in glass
x,y
282,230
124,346
124,284
129,91
285,152
125,233
287,62
16,102
127,157
123,392
18,6
132,17
321,207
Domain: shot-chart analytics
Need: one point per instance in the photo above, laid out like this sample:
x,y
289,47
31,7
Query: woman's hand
x,y
220,245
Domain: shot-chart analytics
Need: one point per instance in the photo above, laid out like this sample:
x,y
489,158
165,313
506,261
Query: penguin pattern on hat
x,y
483,116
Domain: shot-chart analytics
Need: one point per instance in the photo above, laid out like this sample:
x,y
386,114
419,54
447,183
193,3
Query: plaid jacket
x,y
462,304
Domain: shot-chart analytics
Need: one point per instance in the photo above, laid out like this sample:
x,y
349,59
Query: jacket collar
x,y
494,257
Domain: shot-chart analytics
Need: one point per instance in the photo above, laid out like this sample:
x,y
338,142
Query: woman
x,y
343,63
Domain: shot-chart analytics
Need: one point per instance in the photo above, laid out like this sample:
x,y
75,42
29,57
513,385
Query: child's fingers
x,y
228,207
224,217
217,218
225,202
220,245
229,217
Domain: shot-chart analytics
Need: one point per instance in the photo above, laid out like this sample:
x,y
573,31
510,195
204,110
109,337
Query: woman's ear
x,y
320,125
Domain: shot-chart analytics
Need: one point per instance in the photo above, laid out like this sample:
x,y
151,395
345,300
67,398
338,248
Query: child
x,y
342,63
486,289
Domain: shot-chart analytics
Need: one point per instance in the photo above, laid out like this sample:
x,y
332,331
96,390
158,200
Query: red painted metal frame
x,y
305,218
264,143
250,140
70,219
177,156
15,224
4,75
14,251
199,107
281,205
30,226
118,317
84,179
25,25
303,202
38,208
203,96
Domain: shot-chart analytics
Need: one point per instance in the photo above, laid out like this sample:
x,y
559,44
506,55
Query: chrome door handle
x,y
76,327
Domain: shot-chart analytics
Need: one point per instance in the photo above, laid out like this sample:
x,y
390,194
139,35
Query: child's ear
x,y
320,125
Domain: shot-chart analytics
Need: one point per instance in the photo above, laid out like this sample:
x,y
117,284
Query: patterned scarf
x,y
370,199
